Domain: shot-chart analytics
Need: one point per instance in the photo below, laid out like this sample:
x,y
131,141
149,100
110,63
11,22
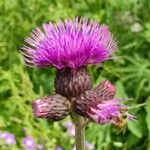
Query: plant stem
x,y
79,133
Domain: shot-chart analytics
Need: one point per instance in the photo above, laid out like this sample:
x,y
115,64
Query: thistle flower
x,y
69,44
9,138
53,108
29,143
92,104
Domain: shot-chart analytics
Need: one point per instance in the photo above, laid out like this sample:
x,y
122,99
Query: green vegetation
x,y
19,85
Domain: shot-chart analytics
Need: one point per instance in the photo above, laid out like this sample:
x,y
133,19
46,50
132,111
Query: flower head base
x,y
53,108
69,44
71,83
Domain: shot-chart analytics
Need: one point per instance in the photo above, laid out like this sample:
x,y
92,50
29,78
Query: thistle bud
x,y
72,82
83,103
105,90
53,108
90,105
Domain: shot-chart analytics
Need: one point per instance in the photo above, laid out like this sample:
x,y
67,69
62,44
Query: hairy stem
x,y
79,133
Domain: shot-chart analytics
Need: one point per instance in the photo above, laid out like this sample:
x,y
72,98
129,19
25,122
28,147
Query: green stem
x,y
139,105
79,133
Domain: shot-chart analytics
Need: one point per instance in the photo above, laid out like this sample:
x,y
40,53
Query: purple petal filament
x,y
106,111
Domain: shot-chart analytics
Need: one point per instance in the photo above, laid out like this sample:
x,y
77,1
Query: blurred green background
x,y
129,21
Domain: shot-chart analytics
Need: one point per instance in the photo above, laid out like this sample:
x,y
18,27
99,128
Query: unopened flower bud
x,y
105,90
90,105
53,108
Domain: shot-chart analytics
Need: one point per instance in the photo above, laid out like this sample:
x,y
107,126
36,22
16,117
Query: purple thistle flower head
x,y
69,44
8,138
105,112
29,143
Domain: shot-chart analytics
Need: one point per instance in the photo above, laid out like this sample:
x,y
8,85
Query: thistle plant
x,y
70,46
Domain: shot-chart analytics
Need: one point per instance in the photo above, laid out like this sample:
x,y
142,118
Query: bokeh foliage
x,y
19,85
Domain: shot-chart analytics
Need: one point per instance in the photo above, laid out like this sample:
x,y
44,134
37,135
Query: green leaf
x,y
148,118
135,128
121,91
138,128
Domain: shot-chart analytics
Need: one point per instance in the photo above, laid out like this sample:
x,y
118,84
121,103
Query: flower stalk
x,y
79,133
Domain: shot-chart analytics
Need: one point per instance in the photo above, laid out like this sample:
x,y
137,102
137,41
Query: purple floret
x,y
69,44
8,138
59,148
29,143
70,128
106,111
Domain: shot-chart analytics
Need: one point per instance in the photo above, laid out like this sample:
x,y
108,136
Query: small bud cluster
x,y
75,93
